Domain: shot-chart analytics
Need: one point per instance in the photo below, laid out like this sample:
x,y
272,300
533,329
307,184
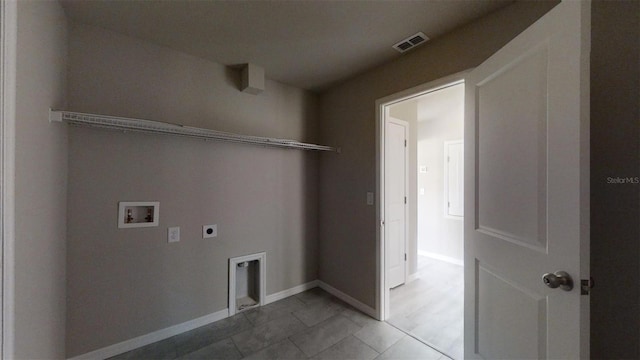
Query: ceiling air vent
x,y
411,42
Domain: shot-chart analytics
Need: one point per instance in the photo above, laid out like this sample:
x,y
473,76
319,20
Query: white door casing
x,y
454,179
395,226
8,58
382,112
526,192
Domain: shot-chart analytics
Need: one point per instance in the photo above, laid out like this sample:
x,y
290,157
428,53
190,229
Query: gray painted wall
x,y
40,183
615,152
123,283
347,224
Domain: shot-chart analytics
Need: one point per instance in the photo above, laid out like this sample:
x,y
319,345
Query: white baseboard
x,y
348,299
131,344
412,277
444,258
290,292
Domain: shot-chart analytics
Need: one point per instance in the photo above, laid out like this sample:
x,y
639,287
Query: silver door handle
x,y
559,279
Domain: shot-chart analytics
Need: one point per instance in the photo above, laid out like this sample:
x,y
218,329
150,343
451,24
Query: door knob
x,y
559,279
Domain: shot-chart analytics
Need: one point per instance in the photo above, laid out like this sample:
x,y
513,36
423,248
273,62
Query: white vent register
x,y
162,128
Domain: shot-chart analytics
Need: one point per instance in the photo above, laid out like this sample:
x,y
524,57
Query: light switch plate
x,y
173,234
369,198
209,231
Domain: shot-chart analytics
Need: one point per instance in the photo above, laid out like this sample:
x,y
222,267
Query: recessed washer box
x,y
132,214
247,282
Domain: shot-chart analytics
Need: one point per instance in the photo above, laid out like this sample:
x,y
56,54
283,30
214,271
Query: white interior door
x,y
527,184
395,192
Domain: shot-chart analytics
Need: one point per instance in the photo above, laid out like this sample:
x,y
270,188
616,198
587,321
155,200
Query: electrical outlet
x,y
173,234
209,231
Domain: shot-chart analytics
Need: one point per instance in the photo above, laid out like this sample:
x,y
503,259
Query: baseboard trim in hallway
x,y
444,258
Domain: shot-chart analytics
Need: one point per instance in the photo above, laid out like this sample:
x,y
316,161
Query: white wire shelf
x,y
162,128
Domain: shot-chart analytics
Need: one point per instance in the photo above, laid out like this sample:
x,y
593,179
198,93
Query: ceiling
x,y
308,44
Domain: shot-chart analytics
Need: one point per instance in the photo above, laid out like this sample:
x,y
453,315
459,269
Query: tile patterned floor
x,y
431,307
310,325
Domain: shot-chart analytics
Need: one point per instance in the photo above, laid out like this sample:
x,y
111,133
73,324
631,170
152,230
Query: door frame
x,y
382,291
8,53
445,208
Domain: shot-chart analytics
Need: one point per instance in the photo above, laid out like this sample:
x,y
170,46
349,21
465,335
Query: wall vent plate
x,y
132,214
209,231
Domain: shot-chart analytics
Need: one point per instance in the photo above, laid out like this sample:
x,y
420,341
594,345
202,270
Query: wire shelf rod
x,y
162,128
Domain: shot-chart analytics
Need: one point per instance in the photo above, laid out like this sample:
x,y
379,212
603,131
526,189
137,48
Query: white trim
x,y
132,344
413,277
162,128
8,56
348,299
447,161
233,265
290,292
382,292
444,258
585,176
382,297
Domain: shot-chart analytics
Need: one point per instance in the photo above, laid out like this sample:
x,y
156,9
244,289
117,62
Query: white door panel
x,y
512,151
506,336
395,207
526,202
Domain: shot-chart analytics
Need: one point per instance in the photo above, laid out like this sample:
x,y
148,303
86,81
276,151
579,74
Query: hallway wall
x,y
347,225
440,119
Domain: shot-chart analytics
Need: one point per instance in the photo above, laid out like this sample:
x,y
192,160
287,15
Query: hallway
x,y
431,307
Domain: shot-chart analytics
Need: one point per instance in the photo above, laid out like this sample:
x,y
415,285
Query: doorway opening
x,y
427,300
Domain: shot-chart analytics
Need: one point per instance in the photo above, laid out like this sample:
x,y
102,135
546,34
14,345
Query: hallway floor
x,y
431,307
310,325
